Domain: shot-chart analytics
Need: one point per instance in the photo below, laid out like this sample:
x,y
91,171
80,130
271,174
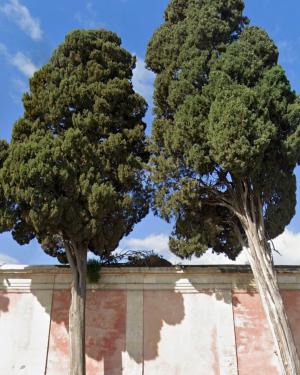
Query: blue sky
x,y
31,29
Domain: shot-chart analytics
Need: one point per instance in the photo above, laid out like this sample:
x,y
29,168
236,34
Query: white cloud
x,y
157,242
6,259
210,258
160,244
143,80
19,14
288,244
22,62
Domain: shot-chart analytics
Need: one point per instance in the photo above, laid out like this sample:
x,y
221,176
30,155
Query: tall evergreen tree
x,y
75,165
225,142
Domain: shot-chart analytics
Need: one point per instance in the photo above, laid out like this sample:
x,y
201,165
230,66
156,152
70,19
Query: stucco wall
x,y
139,321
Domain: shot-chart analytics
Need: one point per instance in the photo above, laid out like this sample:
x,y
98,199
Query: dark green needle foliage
x,y
6,208
75,165
226,127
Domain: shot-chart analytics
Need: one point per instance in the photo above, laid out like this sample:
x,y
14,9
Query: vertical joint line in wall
x,y
143,333
126,322
234,331
50,322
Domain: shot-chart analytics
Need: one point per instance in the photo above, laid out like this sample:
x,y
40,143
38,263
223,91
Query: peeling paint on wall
x,y
143,322
105,332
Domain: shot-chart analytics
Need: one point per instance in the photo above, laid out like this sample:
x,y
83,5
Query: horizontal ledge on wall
x,y
124,269
191,279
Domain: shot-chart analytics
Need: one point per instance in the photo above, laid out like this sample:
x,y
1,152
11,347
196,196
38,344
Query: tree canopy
x,y
75,164
226,121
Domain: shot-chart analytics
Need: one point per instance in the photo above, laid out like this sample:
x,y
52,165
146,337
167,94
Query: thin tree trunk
x,y
266,280
246,204
78,263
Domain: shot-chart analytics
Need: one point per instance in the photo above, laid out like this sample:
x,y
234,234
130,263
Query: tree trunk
x,y
266,280
78,264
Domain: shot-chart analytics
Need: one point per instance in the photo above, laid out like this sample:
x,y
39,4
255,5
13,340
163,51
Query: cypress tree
x,y
225,142
75,164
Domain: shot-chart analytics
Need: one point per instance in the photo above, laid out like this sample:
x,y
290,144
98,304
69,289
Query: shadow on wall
x,y
4,303
24,319
163,311
106,323
165,306
105,332
225,295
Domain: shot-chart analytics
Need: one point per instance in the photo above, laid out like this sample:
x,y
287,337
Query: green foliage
x,y
93,270
6,212
132,258
227,126
75,164
145,259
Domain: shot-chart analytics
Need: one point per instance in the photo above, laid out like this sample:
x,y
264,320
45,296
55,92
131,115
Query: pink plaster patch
x,y
255,346
105,333
291,300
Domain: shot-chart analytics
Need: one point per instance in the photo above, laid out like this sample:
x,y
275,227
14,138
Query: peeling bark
x,y
77,258
261,262
247,207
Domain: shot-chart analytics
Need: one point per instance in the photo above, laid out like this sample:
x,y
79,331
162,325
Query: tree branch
x,y
253,213
239,234
260,212
70,256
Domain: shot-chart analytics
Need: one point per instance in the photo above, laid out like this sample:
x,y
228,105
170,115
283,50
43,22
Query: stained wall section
x,y
105,332
197,320
24,331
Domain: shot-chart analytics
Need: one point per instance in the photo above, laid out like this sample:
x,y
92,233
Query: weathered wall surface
x,y
139,321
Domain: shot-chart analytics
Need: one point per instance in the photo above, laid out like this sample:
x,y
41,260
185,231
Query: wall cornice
x,y
188,279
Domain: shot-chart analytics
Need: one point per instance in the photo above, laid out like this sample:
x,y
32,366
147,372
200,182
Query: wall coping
x,y
124,269
184,279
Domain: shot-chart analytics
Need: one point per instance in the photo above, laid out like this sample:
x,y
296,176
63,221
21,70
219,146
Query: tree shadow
x,y
235,299
160,307
255,344
107,322
23,322
4,303
220,292
225,301
209,322
106,325
105,332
